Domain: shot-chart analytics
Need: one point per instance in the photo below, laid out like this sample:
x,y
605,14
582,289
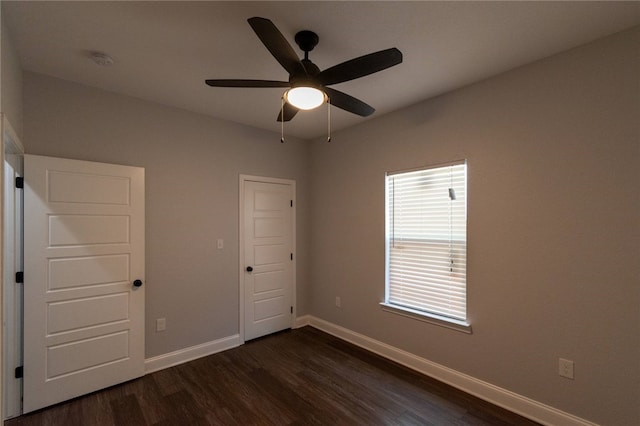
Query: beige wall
x,y
10,81
192,167
553,152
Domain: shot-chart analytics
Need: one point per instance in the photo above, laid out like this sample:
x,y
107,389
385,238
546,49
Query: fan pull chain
x,y
282,120
328,119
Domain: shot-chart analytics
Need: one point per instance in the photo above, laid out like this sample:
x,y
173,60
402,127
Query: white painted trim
x,y
265,179
302,321
439,320
504,398
241,181
250,178
10,309
181,356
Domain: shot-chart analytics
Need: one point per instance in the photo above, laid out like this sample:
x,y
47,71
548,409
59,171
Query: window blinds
x,y
426,240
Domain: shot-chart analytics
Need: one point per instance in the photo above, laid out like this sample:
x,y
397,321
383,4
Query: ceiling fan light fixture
x,y
305,98
308,86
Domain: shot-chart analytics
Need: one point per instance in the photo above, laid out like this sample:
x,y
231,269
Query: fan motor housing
x,y
304,81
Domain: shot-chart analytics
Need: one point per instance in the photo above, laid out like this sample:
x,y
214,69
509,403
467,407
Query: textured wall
x,y
553,152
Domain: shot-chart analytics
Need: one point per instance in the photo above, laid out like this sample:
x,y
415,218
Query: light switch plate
x,y
161,324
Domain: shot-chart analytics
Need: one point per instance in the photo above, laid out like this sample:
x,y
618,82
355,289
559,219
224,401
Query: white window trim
x,y
442,321
463,326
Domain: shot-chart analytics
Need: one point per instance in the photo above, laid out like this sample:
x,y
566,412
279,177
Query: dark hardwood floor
x,y
298,377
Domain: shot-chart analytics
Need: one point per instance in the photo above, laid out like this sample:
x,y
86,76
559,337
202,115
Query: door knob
x,y
249,269
137,283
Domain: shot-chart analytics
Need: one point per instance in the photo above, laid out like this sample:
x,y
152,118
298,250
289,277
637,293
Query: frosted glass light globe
x,y
305,98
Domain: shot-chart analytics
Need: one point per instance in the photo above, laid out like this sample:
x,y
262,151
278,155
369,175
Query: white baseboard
x,y
181,356
504,398
302,321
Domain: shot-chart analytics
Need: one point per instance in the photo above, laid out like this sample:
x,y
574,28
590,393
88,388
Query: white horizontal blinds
x,y
428,240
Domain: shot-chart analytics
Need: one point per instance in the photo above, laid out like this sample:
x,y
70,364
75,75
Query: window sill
x,y
441,321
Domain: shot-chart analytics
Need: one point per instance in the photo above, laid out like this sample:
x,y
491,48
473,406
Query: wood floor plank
x,y
126,410
298,377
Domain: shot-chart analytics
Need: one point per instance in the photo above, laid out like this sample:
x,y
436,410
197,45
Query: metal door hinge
x,y
291,256
19,372
292,309
19,277
19,182
291,203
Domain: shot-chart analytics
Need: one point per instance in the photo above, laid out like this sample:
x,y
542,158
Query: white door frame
x,y
241,265
10,309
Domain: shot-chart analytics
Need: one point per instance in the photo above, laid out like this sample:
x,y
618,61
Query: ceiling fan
x,y
307,85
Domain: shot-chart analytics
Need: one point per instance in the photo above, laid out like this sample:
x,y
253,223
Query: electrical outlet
x,y
338,302
161,324
220,243
565,368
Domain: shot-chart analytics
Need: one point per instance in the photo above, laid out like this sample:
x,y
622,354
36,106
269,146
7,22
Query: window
x,y
427,243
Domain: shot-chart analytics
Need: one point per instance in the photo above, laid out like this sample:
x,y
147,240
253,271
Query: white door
x,y
268,257
83,250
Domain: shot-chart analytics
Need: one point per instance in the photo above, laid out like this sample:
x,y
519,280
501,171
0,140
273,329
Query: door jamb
x,y
263,179
11,145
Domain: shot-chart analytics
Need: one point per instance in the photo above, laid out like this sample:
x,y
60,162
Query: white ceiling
x,y
164,51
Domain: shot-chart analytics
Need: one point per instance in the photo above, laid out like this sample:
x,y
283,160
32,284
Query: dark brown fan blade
x,y
348,103
246,83
361,66
275,42
289,112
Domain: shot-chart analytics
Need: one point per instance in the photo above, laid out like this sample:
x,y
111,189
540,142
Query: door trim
x,y
241,275
10,313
